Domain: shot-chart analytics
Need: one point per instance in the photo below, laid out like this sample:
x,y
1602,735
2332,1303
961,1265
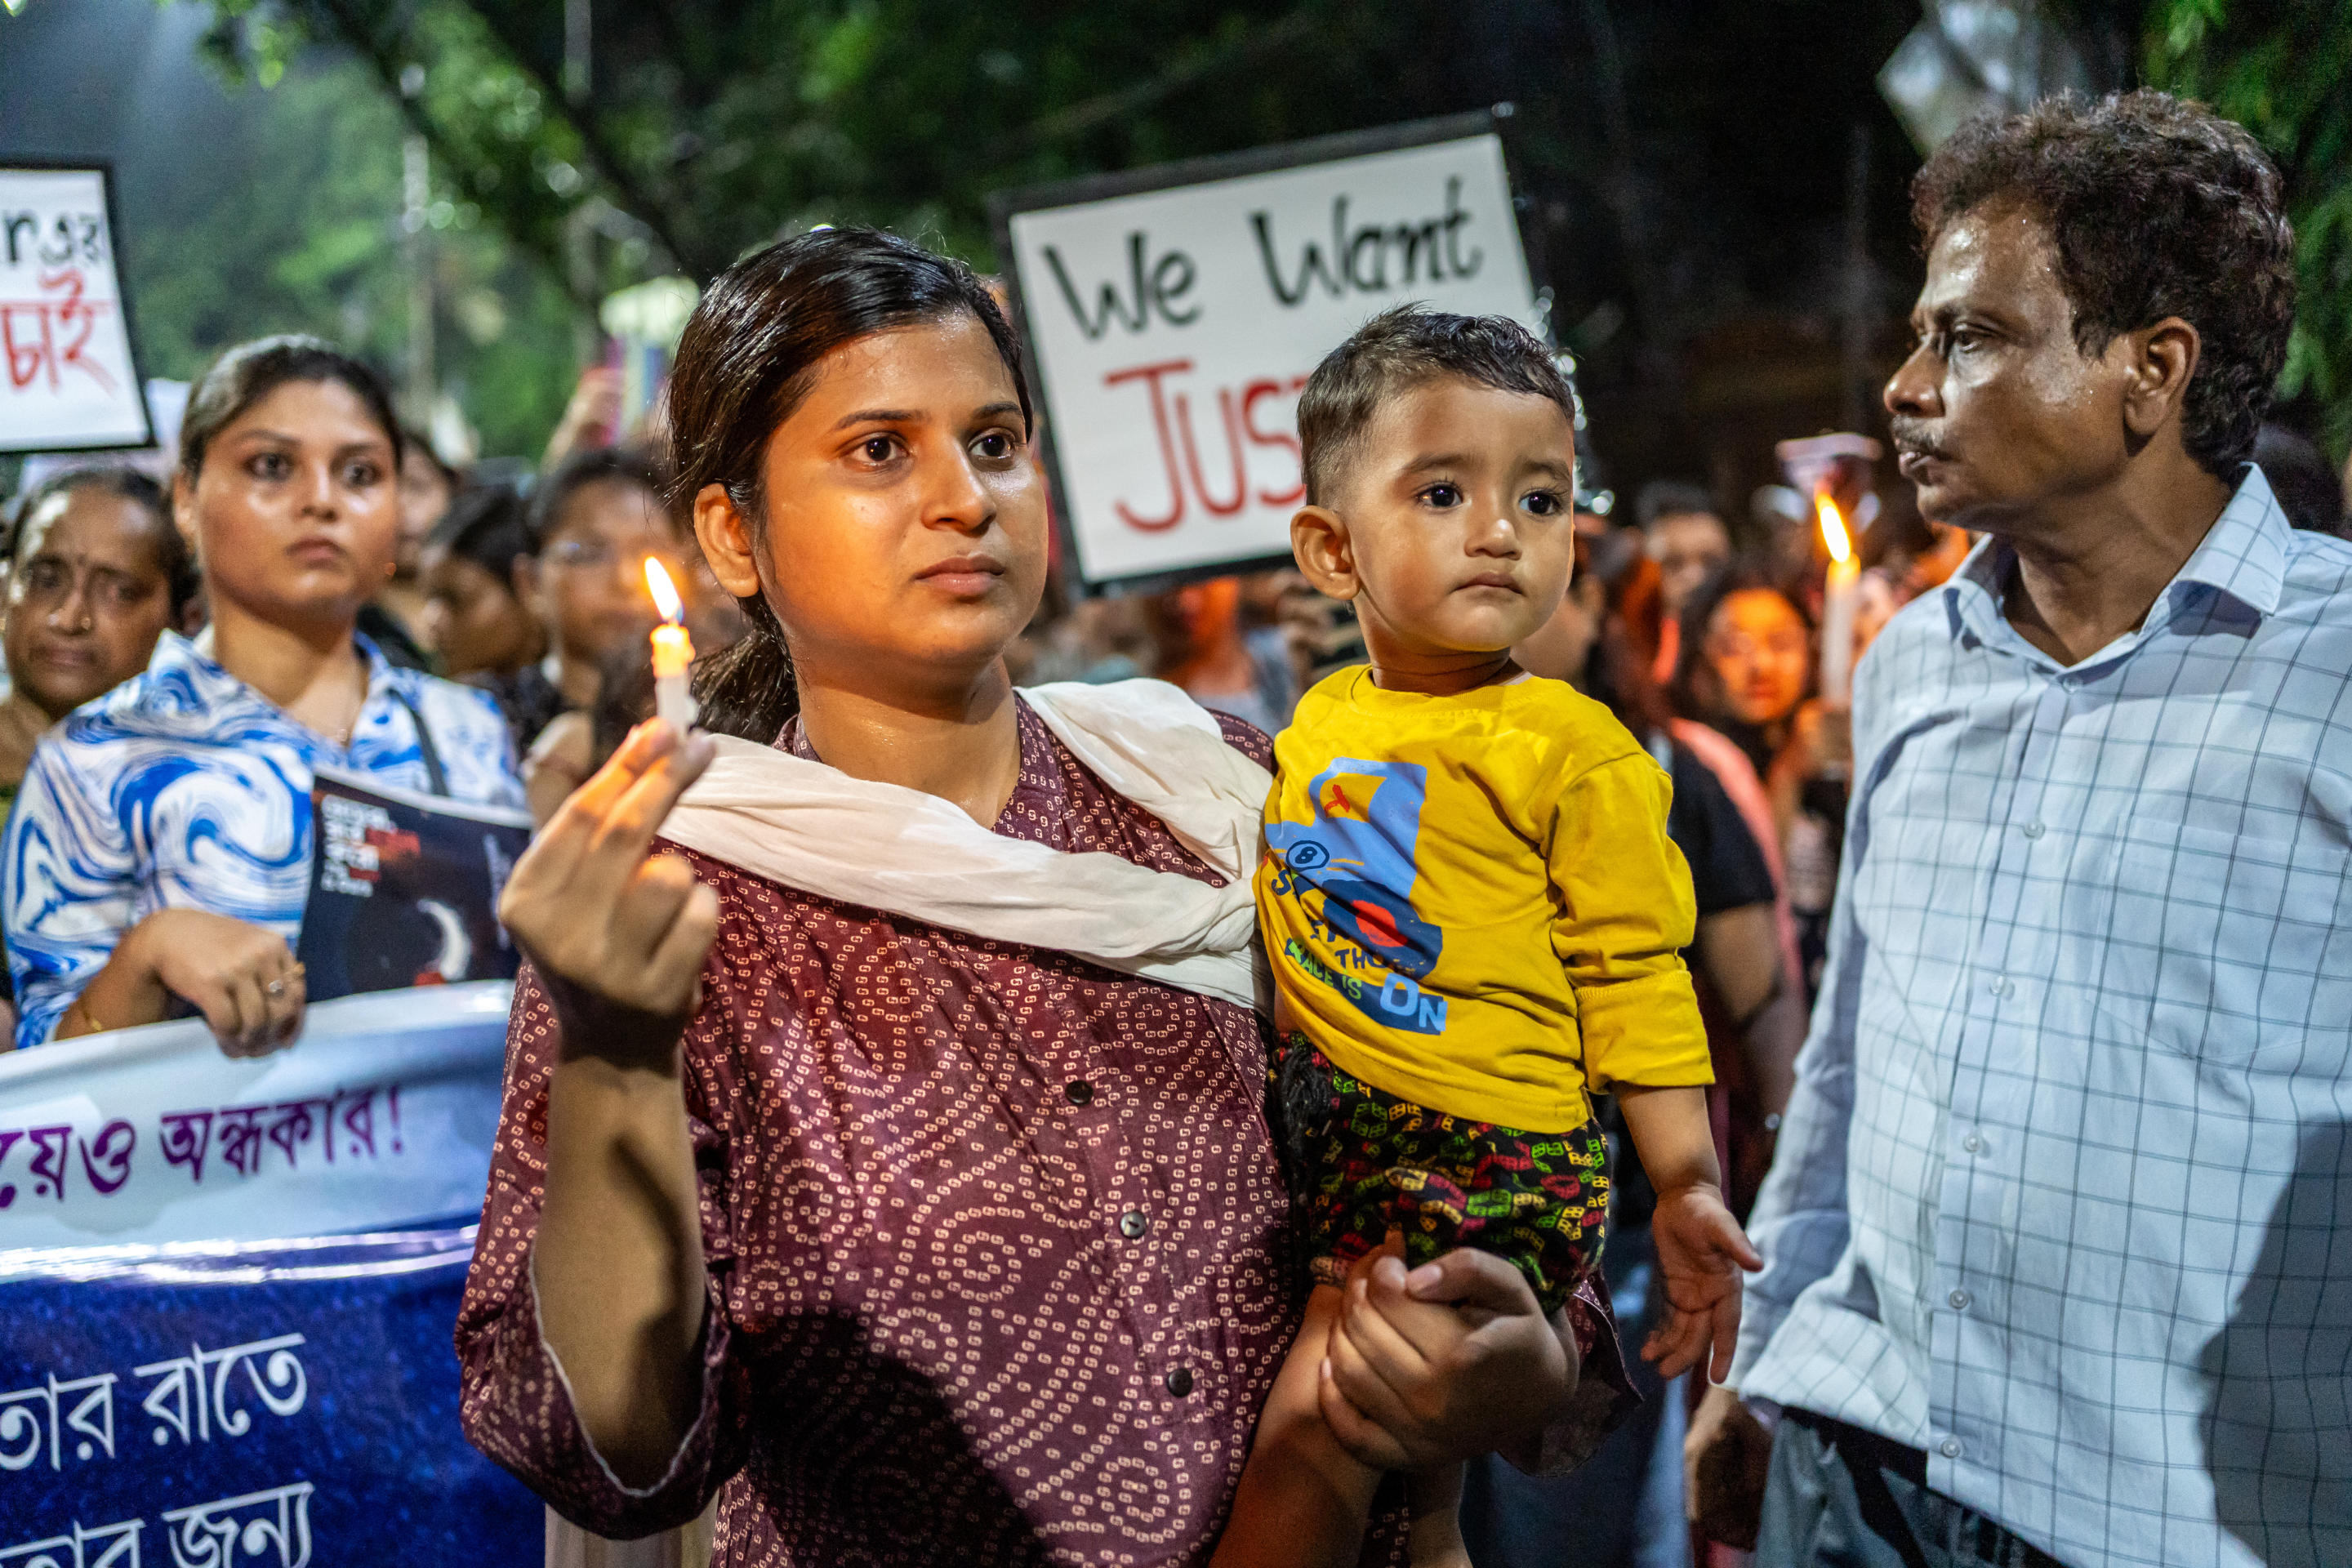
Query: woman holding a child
x,y
893,1162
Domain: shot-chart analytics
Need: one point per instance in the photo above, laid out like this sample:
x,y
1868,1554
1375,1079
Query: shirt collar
x,y
2243,557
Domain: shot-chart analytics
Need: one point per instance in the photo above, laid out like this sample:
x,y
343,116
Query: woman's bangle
x,y
81,1006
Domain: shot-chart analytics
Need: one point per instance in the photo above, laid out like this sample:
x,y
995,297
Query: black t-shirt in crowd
x,y
1727,870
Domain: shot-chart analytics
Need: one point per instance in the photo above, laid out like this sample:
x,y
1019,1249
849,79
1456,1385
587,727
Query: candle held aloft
x,y
673,651
1837,606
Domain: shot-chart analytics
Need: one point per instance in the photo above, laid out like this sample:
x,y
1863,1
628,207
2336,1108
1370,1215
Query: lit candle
x,y
673,651
1837,604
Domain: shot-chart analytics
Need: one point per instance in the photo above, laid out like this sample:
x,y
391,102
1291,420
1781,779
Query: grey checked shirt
x,y
2064,1194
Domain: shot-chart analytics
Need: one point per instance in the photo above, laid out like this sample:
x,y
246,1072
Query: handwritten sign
x,y
67,382
1173,315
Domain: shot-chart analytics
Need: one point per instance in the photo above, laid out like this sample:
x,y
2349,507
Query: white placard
x,y
67,379
381,1115
1172,329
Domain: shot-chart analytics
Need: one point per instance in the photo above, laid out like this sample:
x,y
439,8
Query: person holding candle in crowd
x,y
892,1163
2054,1237
597,518
160,851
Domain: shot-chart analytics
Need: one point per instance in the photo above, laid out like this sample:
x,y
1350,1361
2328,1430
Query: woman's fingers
x,y
675,967
626,833
1367,1443
1385,1345
1365,1363
650,903
283,994
249,1013
557,853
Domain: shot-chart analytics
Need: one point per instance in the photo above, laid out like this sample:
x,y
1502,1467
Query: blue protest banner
x,y
246,1403
228,1289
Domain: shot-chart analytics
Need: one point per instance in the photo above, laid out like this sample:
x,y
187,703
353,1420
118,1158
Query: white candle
x,y
1837,606
673,651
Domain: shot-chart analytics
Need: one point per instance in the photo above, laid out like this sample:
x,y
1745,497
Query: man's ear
x,y
1319,543
2162,359
725,535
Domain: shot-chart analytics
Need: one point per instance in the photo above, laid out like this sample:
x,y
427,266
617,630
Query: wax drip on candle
x,y
673,651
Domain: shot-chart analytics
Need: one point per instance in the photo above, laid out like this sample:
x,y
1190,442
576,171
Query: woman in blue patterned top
x,y
161,844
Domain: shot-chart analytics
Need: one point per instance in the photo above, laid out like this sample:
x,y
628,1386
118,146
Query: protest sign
x,y
68,378
404,888
1172,316
381,1115
228,1289
246,1403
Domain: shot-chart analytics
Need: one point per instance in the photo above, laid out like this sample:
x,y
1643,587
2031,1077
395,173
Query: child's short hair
x,y
1403,348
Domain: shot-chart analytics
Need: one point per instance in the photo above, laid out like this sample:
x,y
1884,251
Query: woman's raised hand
x,y
592,908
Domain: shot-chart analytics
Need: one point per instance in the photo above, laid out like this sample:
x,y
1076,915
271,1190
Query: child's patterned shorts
x,y
1361,1162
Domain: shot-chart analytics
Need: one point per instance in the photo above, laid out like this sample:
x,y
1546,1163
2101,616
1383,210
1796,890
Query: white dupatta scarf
x,y
887,847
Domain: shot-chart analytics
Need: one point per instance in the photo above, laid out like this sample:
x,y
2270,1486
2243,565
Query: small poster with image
x,y
404,889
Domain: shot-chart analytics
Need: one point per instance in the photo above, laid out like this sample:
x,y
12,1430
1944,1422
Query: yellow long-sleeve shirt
x,y
1471,901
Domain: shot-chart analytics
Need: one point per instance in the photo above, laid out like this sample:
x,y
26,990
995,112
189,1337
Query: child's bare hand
x,y
1701,1250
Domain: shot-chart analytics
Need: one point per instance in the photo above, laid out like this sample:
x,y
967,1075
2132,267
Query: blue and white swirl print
x,y
184,788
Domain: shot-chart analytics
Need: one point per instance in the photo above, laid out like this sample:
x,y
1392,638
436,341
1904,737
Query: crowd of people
x,y
312,585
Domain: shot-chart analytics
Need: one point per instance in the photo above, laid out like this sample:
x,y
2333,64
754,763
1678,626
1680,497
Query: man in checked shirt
x,y
2059,1237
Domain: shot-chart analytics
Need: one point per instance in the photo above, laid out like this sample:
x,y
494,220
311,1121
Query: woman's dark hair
x,y
749,355
173,559
597,466
415,443
2155,207
1687,692
249,373
488,525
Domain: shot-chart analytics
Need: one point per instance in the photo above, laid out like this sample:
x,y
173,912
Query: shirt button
x,y
1179,1382
1973,1143
1949,1447
2034,830
1078,1090
1133,1223
1959,1301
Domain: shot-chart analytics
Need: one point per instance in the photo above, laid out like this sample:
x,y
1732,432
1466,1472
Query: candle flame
x,y
664,593
1834,532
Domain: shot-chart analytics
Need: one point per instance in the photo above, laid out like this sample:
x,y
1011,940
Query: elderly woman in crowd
x,y
160,852
96,573
895,1164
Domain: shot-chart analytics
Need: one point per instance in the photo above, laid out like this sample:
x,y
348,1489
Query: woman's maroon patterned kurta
x,y
1000,1269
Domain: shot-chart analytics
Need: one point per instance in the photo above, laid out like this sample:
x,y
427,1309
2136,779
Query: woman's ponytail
x,y
746,687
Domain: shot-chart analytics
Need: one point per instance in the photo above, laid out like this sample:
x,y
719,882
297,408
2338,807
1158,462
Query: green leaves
x,y
2280,69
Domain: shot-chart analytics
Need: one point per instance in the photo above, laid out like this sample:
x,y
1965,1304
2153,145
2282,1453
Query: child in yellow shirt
x,y
1473,912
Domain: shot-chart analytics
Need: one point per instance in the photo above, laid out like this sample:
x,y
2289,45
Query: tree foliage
x,y
312,243
704,127
2282,69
